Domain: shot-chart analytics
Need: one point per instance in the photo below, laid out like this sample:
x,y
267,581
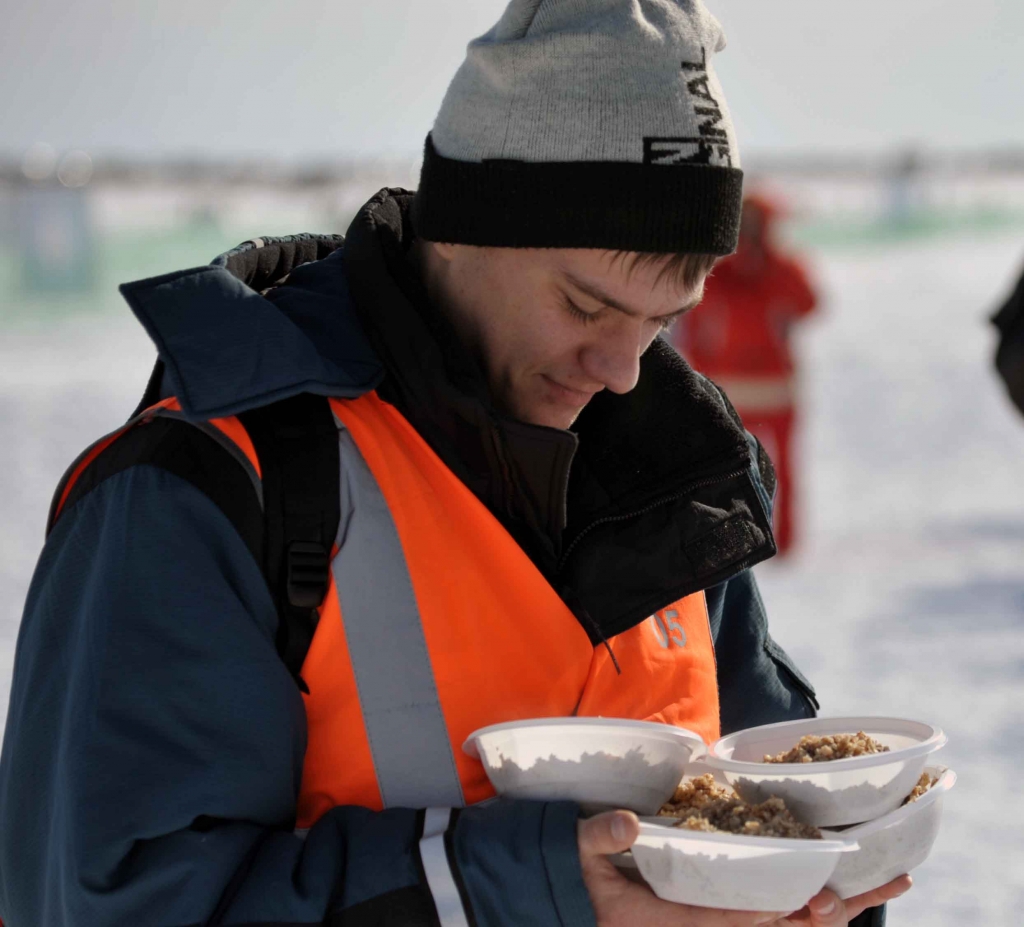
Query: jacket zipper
x,y
665,500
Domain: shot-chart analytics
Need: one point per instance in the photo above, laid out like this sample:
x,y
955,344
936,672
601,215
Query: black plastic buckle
x,y
309,573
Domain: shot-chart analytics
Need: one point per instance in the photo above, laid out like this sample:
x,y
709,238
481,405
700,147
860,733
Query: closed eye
x,y
667,321
585,317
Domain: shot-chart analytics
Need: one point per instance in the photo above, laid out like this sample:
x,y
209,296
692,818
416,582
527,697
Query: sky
x,y
311,79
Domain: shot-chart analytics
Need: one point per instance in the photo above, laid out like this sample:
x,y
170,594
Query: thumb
x,y
611,832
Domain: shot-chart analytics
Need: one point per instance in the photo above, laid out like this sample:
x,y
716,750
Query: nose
x,y
613,359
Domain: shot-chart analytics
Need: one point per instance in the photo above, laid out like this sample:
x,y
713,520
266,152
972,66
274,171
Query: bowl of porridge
x,y
896,842
829,771
709,847
602,763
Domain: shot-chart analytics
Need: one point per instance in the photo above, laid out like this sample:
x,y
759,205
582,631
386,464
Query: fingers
x,y
826,909
618,902
616,831
611,832
893,889
762,920
878,896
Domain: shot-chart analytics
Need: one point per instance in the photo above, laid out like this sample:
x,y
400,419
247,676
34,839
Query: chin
x,y
545,413
551,419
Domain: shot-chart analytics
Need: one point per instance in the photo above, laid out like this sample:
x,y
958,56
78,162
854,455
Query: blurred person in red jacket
x,y
739,337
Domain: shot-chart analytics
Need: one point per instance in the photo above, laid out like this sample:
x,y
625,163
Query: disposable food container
x,y
720,870
894,843
833,793
601,763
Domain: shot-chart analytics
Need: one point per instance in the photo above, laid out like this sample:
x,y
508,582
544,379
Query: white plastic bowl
x,y
716,870
893,844
834,793
599,762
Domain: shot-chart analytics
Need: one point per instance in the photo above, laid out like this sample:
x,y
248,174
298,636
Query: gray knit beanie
x,y
586,124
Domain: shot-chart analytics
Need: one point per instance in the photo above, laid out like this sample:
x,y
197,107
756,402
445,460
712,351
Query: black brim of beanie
x,y
687,208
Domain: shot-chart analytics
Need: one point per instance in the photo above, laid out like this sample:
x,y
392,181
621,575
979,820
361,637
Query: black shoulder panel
x,y
189,453
290,532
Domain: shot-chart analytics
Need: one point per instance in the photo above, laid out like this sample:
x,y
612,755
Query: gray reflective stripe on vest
x,y
437,869
412,753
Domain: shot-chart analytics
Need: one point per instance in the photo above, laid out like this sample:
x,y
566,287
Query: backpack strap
x,y
162,439
296,441
285,504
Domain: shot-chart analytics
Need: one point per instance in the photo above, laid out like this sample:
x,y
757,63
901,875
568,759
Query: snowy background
x,y
906,596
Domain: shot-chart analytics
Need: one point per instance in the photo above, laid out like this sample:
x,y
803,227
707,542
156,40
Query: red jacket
x,y
742,326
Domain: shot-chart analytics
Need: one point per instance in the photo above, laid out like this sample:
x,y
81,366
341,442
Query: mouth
x,y
566,395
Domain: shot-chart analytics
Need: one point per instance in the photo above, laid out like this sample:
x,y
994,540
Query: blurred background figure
x,y
1009,320
739,336
55,238
905,189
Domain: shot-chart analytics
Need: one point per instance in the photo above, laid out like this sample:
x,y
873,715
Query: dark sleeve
x,y
758,683
1009,359
154,748
872,917
1010,315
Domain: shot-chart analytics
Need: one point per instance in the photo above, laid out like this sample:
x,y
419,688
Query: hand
x,y
619,902
826,909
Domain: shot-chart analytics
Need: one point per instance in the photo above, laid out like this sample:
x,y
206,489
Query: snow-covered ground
x,y
907,594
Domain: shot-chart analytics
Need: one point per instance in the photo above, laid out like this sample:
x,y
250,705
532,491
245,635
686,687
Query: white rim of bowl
x,y
660,731
835,843
934,742
946,780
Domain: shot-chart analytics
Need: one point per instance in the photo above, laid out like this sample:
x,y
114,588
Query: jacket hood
x,y
228,348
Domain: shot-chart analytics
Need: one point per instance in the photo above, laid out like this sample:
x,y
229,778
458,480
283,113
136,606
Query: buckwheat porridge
x,y
702,804
923,784
815,748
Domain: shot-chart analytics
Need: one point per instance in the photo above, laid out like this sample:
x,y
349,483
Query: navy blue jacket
x,y
154,744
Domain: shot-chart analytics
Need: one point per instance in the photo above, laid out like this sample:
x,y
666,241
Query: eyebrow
x,y
595,292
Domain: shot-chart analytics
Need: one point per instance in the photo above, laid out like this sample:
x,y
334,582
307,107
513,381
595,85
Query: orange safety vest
x,y
437,623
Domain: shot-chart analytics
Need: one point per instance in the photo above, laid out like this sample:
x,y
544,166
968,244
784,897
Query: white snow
x,y
906,597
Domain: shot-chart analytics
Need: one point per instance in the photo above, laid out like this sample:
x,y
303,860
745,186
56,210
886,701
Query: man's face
x,y
552,327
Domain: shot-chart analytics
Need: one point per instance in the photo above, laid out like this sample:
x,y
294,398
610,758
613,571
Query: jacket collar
x,y
551,488
227,347
519,471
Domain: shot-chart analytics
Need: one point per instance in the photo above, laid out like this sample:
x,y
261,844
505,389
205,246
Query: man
x,y
740,338
541,511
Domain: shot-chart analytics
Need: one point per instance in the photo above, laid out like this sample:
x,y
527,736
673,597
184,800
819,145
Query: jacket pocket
x,y
785,662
